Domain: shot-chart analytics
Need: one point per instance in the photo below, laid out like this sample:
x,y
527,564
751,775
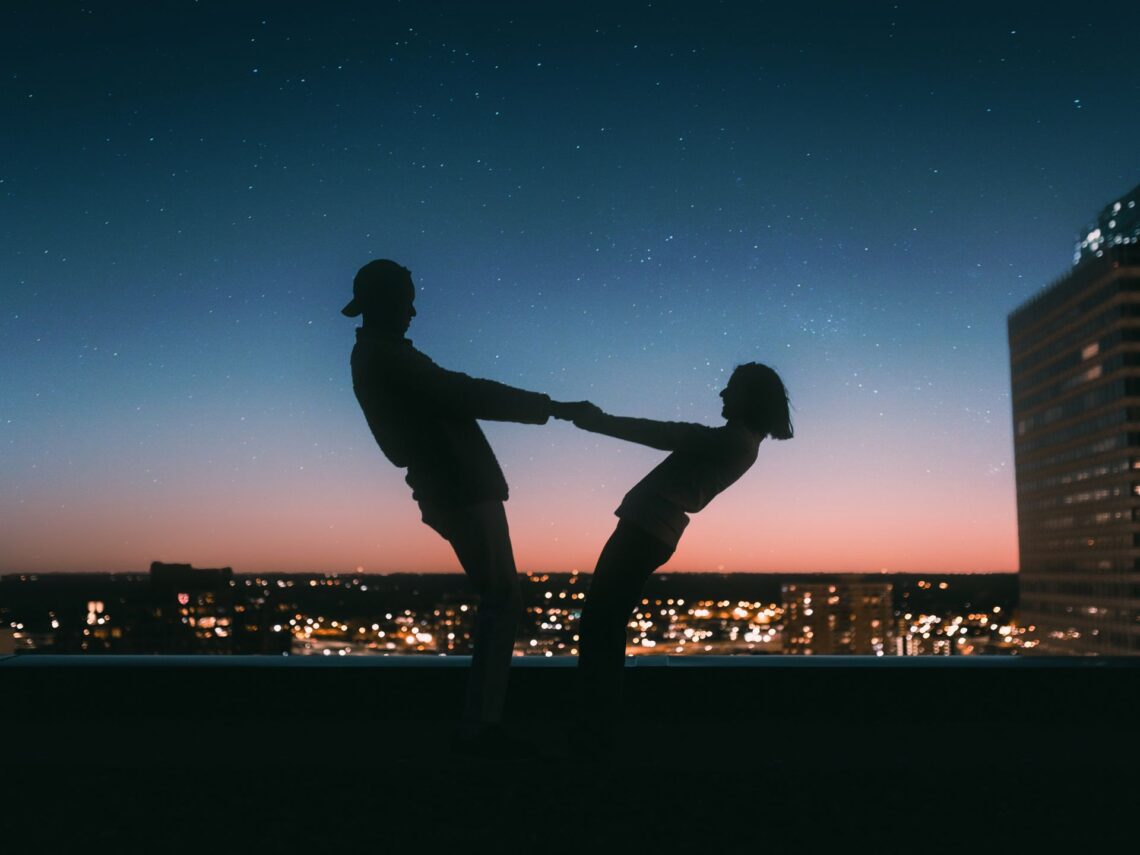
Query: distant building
x,y
192,609
930,640
1075,370
76,612
9,642
839,617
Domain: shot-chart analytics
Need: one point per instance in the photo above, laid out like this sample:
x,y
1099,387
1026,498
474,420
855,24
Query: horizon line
x,y
358,573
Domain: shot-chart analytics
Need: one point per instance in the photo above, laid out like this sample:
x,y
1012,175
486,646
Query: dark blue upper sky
x,y
608,200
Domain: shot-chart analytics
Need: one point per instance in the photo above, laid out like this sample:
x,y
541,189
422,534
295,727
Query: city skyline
x,y
181,610
618,206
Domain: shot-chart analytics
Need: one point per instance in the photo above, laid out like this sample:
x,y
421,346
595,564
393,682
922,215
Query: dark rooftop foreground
x,y
719,752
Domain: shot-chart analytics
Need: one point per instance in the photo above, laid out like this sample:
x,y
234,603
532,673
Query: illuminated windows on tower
x,y
1075,366
1117,225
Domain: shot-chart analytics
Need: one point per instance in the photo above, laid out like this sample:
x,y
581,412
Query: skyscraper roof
x,y
1117,224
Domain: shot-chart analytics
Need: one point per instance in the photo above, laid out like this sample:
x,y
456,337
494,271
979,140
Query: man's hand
x,y
573,411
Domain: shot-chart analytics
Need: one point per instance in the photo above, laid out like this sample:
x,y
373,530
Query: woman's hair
x,y
766,407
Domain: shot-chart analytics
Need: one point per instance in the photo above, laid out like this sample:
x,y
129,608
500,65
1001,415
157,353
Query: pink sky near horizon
x,y
881,509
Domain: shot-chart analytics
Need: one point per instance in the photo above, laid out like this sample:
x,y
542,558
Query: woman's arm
x,y
667,436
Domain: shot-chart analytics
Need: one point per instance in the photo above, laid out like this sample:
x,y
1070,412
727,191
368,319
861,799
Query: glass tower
x,y
1075,371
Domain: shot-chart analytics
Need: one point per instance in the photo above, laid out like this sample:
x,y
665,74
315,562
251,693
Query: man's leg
x,y
482,543
628,559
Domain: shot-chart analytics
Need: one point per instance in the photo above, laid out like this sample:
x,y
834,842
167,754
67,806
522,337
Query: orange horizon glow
x,y
362,517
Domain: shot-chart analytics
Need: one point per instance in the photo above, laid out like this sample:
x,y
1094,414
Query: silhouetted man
x,y
423,418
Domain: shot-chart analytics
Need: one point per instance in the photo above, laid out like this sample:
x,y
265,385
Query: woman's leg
x,y
628,559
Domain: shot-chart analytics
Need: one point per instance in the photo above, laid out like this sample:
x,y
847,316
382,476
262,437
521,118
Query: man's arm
x,y
455,393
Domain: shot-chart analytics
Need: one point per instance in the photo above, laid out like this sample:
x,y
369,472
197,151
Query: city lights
x,y
807,617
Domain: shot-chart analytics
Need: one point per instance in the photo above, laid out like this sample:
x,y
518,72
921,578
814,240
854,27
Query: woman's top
x,y
705,460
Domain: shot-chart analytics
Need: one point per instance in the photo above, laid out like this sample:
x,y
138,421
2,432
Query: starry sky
x,y
612,201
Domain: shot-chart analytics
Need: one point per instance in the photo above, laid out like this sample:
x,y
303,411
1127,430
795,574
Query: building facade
x,y
828,619
1075,378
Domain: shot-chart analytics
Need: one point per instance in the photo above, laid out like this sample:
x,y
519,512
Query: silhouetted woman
x,y
652,516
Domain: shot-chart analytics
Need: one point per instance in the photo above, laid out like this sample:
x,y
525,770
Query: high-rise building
x,y
838,617
1075,371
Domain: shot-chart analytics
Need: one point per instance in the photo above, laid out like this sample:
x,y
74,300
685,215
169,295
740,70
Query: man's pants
x,y
478,533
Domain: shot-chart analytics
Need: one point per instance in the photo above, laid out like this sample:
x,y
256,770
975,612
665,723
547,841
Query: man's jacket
x,y
423,418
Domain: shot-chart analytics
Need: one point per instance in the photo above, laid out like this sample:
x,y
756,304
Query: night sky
x,y
618,204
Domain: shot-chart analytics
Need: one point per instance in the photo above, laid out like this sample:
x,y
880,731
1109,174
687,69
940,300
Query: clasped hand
x,y
574,411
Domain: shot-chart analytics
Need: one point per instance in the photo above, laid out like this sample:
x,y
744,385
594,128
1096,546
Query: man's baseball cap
x,y
374,282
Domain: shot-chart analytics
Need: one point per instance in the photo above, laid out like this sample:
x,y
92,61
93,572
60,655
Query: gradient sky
x,y
609,203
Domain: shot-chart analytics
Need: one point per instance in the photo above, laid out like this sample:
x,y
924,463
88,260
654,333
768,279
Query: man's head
x,y
384,293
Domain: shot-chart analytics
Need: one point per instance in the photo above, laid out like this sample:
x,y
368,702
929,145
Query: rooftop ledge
x,y
359,747
693,694
766,662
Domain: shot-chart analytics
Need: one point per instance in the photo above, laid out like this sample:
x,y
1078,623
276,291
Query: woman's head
x,y
755,395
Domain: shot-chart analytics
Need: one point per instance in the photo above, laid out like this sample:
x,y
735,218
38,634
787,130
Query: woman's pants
x,y
628,559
